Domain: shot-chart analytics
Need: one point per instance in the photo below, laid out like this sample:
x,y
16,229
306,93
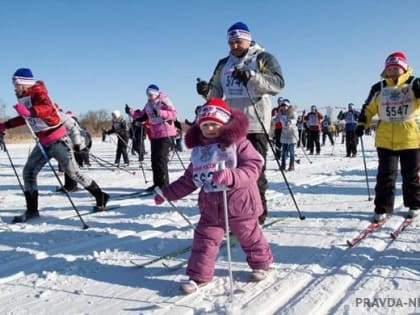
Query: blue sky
x,y
103,54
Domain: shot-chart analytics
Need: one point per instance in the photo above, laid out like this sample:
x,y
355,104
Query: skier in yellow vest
x,y
396,100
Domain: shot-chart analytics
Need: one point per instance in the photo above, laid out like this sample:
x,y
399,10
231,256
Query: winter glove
x,y
22,110
127,109
360,129
159,199
202,88
242,76
2,127
223,177
76,147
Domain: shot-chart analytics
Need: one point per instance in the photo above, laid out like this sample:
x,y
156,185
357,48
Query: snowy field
x,y
52,266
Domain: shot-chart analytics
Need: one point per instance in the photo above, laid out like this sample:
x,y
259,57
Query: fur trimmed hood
x,y
230,133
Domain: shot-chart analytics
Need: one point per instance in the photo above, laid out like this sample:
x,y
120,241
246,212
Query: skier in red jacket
x,y
36,109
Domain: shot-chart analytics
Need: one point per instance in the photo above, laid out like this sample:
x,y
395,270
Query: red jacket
x,y
278,124
41,107
313,120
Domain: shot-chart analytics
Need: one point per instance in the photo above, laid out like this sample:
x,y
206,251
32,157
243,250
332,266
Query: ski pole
x,y
113,141
305,154
141,143
102,162
176,152
301,216
122,140
13,167
141,147
222,166
160,193
366,173
47,159
172,143
141,163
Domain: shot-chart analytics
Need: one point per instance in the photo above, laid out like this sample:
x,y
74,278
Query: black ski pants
x,y
260,143
387,175
160,157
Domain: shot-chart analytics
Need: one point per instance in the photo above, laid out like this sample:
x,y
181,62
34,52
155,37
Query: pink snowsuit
x,y
244,203
161,115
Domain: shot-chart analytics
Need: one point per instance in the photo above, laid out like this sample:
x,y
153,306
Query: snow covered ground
x,y
52,266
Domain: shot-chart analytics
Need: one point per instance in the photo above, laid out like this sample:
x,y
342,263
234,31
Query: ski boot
x,y
291,166
380,217
100,196
192,286
258,275
31,208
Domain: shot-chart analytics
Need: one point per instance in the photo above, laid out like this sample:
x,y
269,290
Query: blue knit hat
x,y
152,89
239,30
23,76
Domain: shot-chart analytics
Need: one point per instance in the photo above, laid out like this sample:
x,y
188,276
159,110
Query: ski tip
x,y
137,265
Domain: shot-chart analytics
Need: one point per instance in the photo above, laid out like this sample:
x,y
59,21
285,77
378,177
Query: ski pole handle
x,y
220,167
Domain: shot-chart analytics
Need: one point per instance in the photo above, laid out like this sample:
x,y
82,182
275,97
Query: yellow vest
x,y
399,115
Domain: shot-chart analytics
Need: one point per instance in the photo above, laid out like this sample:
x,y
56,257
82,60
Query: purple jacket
x,y
244,199
161,115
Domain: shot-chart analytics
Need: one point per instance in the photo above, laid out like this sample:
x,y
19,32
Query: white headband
x,y
23,81
239,34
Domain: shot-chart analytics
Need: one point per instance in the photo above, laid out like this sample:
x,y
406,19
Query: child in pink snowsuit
x,y
220,135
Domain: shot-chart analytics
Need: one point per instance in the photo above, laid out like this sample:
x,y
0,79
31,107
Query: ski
x,y
137,194
174,267
404,224
186,249
23,218
372,227
161,258
125,169
108,208
16,220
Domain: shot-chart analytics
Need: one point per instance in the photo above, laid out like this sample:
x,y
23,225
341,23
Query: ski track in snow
x,y
52,266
